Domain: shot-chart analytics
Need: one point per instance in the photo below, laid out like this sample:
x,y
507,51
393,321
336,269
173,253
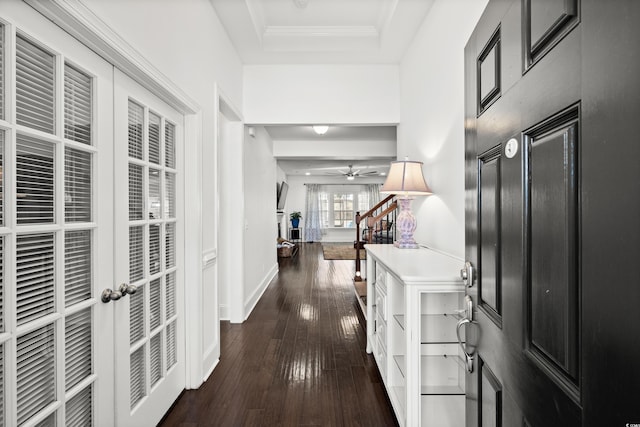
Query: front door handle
x,y
466,274
463,346
467,319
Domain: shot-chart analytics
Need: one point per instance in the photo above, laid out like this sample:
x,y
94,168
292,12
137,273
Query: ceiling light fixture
x,y
320,129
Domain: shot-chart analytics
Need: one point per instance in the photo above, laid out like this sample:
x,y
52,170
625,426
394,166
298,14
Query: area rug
x,y
342,252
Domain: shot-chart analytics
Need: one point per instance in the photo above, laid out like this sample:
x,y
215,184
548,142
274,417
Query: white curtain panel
x,y
312,223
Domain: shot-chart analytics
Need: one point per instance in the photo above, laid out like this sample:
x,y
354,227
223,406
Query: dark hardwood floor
x,y
299,360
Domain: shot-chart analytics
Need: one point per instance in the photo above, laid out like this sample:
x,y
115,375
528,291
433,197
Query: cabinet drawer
x,y
381,359
381,330
381,277
381,304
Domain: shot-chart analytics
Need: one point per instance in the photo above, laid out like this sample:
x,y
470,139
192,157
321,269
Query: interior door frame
x,y
79,21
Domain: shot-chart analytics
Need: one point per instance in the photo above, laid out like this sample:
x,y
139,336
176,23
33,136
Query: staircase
x,y
377,225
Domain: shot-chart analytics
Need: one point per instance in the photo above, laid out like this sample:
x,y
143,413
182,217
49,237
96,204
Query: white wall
x,y
432,119
260,224
185,41
297,197
353,94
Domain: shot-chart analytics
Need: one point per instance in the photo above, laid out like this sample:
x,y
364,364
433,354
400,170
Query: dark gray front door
x,y
553,213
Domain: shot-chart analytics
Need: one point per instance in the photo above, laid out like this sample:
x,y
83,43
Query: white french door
x,y
148,236
89,172
56,226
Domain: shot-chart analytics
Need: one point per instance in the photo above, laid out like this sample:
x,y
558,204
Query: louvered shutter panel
x,y
35,356
35,180
35,86
35,276
154,138
77,105
49,421
77,268
78,348
77,185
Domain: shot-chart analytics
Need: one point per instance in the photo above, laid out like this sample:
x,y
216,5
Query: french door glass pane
x,y
154,248
138,376
155,354
35,86
171,295
172,351
35,180
170,145
154,194
136,183
36,381
136,254
2,192
170,195
77,185
78,348
137,316
136,126
35,276
79,409
77,105
2,84
154,138
170,245
77,269
155,304
2,386
2,303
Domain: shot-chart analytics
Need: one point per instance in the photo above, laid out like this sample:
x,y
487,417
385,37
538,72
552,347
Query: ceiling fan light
x,y
350,177
320,129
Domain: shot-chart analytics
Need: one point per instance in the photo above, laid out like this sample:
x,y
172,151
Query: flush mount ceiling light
x,y
320,130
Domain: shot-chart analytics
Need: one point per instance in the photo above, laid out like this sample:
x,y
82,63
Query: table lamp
x,y
406,181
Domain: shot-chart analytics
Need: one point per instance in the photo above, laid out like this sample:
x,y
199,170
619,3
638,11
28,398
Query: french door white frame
x,y
76,19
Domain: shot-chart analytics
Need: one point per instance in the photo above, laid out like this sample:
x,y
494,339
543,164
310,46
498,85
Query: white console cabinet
x,y
414,300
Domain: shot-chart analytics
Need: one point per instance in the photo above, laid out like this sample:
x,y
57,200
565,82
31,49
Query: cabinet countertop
x,y
421,266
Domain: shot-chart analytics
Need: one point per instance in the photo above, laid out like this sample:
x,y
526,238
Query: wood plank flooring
x,y
299,360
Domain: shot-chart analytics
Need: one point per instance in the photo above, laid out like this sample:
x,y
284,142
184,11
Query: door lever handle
x,y
468,356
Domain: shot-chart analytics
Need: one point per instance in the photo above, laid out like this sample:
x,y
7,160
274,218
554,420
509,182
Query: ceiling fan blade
x,y
356,172
369,173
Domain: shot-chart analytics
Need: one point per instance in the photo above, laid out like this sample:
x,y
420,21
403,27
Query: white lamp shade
x,y
405,179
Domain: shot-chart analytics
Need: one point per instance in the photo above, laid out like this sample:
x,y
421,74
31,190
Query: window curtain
x,y
312,223
373,190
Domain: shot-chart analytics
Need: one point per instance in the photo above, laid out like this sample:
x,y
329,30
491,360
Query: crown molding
x,y
80,22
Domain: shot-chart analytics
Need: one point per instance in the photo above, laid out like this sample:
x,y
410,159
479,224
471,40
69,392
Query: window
x,y
339,204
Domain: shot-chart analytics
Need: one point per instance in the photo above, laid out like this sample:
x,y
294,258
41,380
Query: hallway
x,y
298,360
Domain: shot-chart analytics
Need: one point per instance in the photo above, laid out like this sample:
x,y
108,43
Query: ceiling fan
x,y
352,174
